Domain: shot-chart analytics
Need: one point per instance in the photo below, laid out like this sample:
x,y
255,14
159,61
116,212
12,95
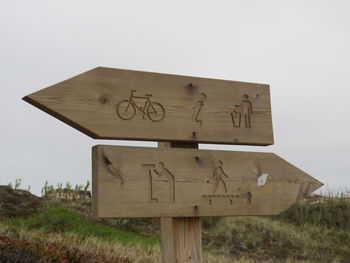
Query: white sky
x,y
300,48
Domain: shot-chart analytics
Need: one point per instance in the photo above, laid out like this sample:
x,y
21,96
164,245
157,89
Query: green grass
x,y
329,212
58,220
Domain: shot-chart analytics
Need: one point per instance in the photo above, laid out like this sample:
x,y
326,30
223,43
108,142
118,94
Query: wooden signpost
x,y
107,103
177,182
151,182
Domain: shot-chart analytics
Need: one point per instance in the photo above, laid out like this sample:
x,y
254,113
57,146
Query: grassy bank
x,y
313,230
264,239
324,211
62,220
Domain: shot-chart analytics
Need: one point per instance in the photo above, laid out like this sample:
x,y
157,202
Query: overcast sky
x,y
300,48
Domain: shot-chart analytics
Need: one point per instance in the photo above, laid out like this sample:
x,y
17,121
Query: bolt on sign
x,y
107,103
151,182
176,184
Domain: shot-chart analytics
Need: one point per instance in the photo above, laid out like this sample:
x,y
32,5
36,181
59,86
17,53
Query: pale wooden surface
x,y
181,238
191,183
167,239
208,111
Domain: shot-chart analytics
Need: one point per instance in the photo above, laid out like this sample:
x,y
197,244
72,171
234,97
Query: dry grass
x,y
260,238
113,252
93,246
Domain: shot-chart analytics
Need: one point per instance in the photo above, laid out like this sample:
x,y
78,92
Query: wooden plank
x,y
181,240
107,103
181,237
152,182
167,239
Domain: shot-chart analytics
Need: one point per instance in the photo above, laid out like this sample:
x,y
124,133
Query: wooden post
x,y
181,238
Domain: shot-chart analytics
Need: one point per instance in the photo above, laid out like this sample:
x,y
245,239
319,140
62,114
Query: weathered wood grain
x,y
181,237
173,108
181,240
152,182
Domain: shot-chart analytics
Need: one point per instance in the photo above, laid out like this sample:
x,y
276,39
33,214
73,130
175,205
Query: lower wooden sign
x,y
153,182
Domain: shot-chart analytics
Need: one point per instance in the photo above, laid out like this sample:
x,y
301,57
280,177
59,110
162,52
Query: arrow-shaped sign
x,y
107,103
151,182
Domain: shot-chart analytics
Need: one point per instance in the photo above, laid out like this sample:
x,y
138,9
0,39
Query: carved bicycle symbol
x,y
126,109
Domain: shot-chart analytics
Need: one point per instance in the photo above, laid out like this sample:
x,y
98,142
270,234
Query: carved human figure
x,y
242,113
162,184
246,110
218,174
198,107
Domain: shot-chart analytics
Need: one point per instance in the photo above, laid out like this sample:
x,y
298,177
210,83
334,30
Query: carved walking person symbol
x,y
198,107
218,174
247,111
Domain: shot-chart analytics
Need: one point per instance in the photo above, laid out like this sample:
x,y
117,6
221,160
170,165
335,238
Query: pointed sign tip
x,y
306,189
314,186
31,101
25,98
59,116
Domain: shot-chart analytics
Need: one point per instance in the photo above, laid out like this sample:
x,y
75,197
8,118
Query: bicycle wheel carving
x,y
126,110
155,112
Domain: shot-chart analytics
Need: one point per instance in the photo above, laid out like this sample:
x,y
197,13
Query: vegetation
x,y
31,245
313,230
16,202
263,238
48,189
58,220
17,184
324,211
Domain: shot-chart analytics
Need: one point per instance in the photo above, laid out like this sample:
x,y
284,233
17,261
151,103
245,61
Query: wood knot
x,y
103,99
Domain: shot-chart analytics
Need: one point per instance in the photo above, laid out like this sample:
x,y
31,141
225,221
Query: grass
x,y
53,248
58,220
313,230
235,239
326,211
316,229
266,239
64,247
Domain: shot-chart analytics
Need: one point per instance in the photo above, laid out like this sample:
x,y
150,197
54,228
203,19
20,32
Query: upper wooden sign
x,y
107,103
146,182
